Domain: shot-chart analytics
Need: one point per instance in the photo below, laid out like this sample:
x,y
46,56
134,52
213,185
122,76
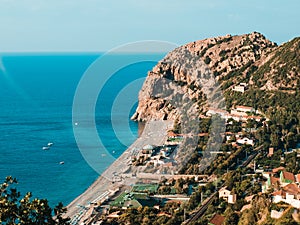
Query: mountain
x,y
270,73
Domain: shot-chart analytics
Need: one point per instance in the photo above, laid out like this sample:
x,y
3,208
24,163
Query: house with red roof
x,y
287,177
271,182
278,169
289,194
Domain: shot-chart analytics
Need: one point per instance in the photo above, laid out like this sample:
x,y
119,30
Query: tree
x,y
230,216
15,210
247,218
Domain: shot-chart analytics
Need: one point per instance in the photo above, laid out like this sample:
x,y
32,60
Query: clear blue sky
x,y
99,25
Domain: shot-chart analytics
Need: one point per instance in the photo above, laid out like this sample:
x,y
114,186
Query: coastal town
x,y
142,183
221,144
149,112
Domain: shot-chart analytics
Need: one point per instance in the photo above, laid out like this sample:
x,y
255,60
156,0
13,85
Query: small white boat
x,y
46,148
62,162
50,144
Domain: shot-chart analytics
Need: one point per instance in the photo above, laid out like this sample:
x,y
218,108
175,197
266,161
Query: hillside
x,y
245,151
281,71
270,72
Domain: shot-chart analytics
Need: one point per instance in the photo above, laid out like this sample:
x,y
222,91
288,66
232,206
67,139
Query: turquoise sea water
x,y
36,95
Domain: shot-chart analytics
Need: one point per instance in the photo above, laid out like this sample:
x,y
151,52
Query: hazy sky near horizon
x,y
99,25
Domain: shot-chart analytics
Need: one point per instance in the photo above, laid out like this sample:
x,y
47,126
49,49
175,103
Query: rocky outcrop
x,y
176,85
183,74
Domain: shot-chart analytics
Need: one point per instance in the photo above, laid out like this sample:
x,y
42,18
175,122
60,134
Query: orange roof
x,y
281,193
292,189
243,107
281,168
288,176
274,179
217,219
171,134
202,134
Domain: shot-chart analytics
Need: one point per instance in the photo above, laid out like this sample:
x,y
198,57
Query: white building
x,y
242,87
227,196
245,109
245,140
289,194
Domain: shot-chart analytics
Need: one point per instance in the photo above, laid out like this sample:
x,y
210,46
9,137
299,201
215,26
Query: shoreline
x,y
154,133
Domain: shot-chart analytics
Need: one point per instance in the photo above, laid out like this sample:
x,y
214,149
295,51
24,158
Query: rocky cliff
x,y
228,60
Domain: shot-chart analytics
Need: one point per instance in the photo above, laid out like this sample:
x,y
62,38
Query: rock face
x,y
174,84
229,60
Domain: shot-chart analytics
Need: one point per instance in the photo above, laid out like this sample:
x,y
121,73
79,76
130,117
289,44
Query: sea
x,y
36,96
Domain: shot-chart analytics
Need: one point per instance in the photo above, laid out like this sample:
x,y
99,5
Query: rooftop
x,y
288,176
217,220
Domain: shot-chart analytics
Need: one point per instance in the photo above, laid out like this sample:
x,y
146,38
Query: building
x,y
271,152
223,193
298,178
289,194
271,182
242,87
232,199
216,220
235,112
239,113
278,169
227,196
276,214
287,177
245,109
245,140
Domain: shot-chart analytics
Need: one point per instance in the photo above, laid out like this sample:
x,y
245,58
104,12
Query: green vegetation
x,y
207,60
17,210
283,75
232,167
145,188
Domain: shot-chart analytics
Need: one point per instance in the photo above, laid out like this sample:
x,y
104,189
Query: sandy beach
x,y
155,133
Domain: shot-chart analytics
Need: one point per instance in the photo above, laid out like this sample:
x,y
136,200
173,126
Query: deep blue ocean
x,y
36,96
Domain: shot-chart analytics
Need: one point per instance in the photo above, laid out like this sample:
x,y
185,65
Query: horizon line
x,y
78,52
